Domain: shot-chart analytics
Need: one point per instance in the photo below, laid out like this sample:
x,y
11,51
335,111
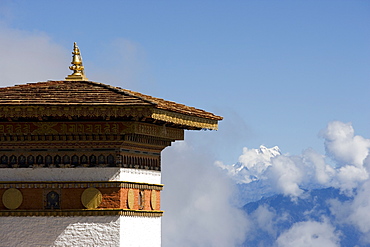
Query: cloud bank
x,y
308,234
30,57
290,174
34,56
196,201
293,175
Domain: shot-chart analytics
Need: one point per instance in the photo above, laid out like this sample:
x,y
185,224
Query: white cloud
x,y
348,177
264,219
30,57
349,151
286,176
33,56
360,211
316,166
343,146
355,212
196,200
309,234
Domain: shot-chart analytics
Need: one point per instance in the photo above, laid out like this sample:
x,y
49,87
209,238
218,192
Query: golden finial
x,y
77,67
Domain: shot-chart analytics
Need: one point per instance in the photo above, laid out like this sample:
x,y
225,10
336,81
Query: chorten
x,y
80,161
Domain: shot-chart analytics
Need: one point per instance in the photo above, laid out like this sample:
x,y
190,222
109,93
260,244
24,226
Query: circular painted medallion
x,y
91,198
12,198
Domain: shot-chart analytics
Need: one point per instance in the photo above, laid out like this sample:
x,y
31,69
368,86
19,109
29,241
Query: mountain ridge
x,y
284,212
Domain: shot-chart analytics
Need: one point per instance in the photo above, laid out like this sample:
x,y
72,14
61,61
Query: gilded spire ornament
x,y
77,67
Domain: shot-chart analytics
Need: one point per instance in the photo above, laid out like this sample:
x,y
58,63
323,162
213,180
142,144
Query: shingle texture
x,y
89,93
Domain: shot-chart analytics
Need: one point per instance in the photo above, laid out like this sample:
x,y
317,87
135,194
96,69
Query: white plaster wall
x,y
140,232
138,175
101,231
80,174
60,231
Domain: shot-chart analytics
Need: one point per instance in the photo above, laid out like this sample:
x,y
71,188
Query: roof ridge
x,y
121,90
161,102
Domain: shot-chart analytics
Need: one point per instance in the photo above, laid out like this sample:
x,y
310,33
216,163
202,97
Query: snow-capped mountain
x,y
252,164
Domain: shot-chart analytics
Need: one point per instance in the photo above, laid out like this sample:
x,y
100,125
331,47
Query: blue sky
x,y
278,71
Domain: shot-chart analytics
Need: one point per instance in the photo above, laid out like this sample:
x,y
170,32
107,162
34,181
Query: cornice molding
x,y
80,212
78,184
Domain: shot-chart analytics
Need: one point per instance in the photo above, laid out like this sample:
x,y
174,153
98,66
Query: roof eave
x,y
189,122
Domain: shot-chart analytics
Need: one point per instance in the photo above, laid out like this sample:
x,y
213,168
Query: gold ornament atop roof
x,y
77,66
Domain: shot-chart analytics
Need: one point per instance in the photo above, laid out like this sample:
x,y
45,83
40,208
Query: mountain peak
x,y
274,151
252,163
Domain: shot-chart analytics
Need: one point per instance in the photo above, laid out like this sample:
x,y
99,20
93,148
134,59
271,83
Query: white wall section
x,y
81,174
101,231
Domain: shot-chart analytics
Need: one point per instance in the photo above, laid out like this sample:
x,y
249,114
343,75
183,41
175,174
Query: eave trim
x,y
184,120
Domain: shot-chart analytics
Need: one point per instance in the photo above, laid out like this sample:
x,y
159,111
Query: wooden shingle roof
x,y
87,93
